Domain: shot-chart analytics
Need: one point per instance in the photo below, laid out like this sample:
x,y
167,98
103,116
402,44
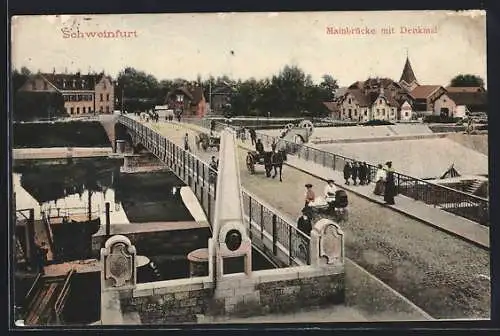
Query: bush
x,y
440,119
377,122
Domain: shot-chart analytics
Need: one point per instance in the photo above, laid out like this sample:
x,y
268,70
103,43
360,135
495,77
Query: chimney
x,y
53,70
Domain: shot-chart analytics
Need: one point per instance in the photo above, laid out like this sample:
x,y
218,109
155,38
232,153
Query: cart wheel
x,y
250,164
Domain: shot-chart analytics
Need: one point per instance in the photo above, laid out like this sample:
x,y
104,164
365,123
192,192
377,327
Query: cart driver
x,y
309,196
259,146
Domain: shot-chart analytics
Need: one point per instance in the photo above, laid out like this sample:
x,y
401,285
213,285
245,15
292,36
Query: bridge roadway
x,y
445,276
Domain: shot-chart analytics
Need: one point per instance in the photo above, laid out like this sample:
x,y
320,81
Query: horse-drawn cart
x,y
253,158
209,141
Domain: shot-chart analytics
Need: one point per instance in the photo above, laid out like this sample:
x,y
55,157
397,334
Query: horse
x,y
274,160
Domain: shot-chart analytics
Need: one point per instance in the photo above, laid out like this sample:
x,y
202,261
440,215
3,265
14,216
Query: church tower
x,y
408,79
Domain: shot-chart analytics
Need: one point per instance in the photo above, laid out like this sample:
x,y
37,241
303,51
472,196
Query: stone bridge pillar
x,y
231,247
118,276
327,244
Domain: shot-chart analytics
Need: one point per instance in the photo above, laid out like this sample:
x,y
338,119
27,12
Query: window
x,y
100,109
107,97
101,97
366,113
349,101
406,114
383,112
80,97
77,110
74,82
355,112
380,101
89,109
83,109
83,83
64,84
107,109
378,111
72,110
65,98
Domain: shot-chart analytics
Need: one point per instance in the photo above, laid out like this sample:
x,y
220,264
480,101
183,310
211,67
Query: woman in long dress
x,y
380,177
390,185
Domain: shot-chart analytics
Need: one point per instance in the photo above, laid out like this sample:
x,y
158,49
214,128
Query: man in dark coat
x,y
355,172
253,136
347,172
259,146
390,185
304,224
363,171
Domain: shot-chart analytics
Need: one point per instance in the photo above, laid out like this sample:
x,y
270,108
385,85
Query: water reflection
x,y
78,189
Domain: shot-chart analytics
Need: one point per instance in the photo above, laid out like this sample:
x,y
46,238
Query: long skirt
x,y
379,188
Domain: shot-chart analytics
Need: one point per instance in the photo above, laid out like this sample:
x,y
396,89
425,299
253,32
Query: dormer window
x,y
74,83
64,84
83,83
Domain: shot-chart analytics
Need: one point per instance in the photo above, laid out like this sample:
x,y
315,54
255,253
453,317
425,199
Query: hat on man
x,y
309,185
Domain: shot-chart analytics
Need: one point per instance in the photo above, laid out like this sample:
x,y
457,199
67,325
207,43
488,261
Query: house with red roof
x,y
187,100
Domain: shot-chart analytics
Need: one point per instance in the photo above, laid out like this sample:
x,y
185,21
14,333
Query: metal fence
x,y
198,175
466,205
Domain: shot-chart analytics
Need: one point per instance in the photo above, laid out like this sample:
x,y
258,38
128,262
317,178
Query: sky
x,y
244,45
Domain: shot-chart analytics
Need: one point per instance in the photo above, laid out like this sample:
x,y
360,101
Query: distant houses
x,y
187,100
82,94
386,99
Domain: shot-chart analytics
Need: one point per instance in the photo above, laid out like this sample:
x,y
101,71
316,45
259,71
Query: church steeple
x,y
408,78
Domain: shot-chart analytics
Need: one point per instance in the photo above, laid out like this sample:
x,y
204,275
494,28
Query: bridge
x,y
272,234
378,237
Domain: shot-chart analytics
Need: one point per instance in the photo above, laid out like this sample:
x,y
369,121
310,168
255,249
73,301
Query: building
x,y
469,102
375,98
187,100
82,94
425,97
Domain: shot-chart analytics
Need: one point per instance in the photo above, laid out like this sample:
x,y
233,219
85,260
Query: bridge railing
x,y
202,179
284,236
466,205
190,169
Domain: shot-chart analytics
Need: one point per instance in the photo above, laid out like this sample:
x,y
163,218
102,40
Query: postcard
x,y
221,168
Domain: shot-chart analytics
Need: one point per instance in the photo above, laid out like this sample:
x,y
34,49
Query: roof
x,y
408,75
469,98
465,89
424,91
340,91
195,94
73,81
332,106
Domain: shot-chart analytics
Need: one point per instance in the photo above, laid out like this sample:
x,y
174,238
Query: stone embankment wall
x,y
60,134
269,291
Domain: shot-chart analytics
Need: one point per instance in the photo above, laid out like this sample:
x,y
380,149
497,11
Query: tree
x,y
329,84
467,80
19,78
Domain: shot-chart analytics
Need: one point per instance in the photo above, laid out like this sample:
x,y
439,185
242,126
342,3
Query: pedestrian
x,y
367,173
253,136
355,172
304,224
379,181
390,186
186,142
363,171
347,172
309,196
212,126
179,117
